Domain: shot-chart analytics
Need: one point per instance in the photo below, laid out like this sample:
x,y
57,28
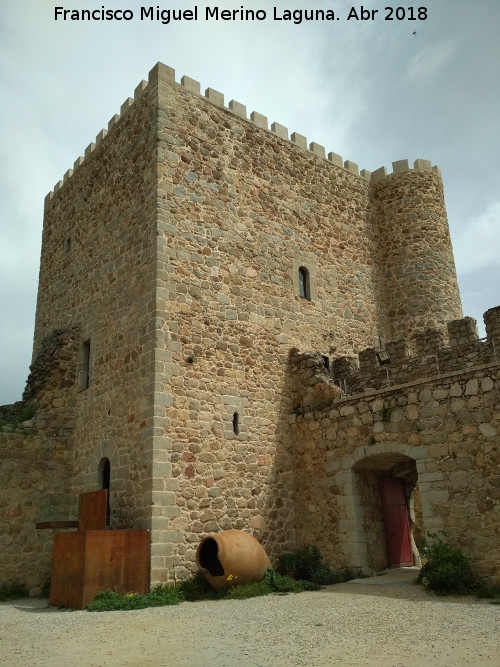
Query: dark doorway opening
x,y
105,480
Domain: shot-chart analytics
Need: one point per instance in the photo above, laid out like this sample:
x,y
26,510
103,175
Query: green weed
x,y
12,591
160,596
447,570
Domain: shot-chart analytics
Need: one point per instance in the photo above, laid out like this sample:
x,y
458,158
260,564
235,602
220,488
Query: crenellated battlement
x,y
425,354
217,99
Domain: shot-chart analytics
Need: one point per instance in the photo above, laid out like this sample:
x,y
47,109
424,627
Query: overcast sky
x,y
374,91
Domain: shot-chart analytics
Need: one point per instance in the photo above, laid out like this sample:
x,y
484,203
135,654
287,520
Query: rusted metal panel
x,y
92,510
116,560
68,567
86,563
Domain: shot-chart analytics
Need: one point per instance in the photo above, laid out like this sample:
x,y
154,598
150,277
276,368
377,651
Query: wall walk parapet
x,y
423,355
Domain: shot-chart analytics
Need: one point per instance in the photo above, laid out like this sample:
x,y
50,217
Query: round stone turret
x,y
420,289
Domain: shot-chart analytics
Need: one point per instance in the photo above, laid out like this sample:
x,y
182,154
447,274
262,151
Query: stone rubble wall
x,y
240,210
98,270
448,426
174,245
36,471
311,382
420,289
423,355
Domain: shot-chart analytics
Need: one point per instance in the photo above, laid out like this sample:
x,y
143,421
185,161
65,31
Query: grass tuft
x,y
160,596
12,591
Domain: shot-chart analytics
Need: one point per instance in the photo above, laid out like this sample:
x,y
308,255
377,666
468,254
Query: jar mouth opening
x,y
208,557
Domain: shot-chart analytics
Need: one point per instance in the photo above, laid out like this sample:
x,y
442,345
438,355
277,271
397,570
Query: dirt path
x,y
395,624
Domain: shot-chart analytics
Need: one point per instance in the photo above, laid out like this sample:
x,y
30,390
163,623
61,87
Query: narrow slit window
x,y
85,366
304,287
67,244
104,482
236,423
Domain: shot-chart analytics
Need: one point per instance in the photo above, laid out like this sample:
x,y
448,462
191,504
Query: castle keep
x,y
206,286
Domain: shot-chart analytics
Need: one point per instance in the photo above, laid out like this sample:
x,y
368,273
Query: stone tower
x,y
419,283
192,248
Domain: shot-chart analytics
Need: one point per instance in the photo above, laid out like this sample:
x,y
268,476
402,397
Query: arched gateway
x,y
384,498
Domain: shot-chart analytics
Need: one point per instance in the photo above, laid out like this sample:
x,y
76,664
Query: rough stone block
x,y
126,105
422,165
161,73
140,89
113,121
100,136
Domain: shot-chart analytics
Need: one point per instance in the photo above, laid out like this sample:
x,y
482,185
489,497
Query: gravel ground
x,y
392,625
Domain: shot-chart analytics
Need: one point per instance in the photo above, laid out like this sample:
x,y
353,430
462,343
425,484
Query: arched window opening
x,y
236,423
304,287
104,483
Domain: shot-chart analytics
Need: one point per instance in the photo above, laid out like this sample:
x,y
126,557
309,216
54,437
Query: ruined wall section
x,y
420,289
311,383
240,210
36,454
97,271
448,426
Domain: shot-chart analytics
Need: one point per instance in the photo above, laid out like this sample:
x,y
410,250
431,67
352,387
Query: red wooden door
x,y
396,521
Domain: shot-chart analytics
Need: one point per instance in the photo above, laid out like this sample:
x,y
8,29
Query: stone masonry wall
x,y
98,272
446,428
420,288
36,469
425,354
241,209
175,246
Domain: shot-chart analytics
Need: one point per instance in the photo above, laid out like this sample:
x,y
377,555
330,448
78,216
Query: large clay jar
x,y
231,558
